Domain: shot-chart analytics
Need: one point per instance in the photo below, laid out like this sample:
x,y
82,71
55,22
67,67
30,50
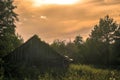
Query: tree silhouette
x,y
8,39
104,30
78,41
104,34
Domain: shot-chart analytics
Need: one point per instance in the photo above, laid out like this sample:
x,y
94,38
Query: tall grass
x,y
83,72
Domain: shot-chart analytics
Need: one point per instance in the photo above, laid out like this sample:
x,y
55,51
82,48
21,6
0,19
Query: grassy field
x,y
83,72
79,72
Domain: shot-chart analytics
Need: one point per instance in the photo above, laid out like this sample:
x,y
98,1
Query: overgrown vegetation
x,y
83,72
75,72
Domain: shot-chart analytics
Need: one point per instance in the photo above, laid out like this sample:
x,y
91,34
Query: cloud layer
x,y
63,21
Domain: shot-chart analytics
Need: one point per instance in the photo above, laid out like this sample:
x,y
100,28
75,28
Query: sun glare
x,y
59,2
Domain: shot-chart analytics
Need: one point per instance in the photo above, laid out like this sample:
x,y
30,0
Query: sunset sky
x,y
62,19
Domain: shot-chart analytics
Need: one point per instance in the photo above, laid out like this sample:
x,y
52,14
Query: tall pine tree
x,y
8,39
104,35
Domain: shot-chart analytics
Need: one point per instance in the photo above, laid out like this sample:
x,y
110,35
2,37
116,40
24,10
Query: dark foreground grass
x,y
83,72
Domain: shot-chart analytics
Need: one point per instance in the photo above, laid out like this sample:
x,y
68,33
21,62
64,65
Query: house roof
x,y
34,49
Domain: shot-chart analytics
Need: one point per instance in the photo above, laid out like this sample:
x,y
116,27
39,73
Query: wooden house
x,y
36,53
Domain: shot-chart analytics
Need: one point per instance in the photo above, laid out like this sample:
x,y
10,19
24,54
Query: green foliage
x,y
101,48
78,41
59,46
83,72
104,31
71,48
76,72
8,39
102,39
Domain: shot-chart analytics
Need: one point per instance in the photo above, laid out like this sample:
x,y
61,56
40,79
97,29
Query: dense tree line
x,y
100,48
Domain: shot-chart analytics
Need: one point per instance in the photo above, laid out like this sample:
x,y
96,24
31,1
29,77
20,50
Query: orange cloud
x,y
63,21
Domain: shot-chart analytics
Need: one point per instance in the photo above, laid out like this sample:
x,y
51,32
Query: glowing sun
x,y
60,2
